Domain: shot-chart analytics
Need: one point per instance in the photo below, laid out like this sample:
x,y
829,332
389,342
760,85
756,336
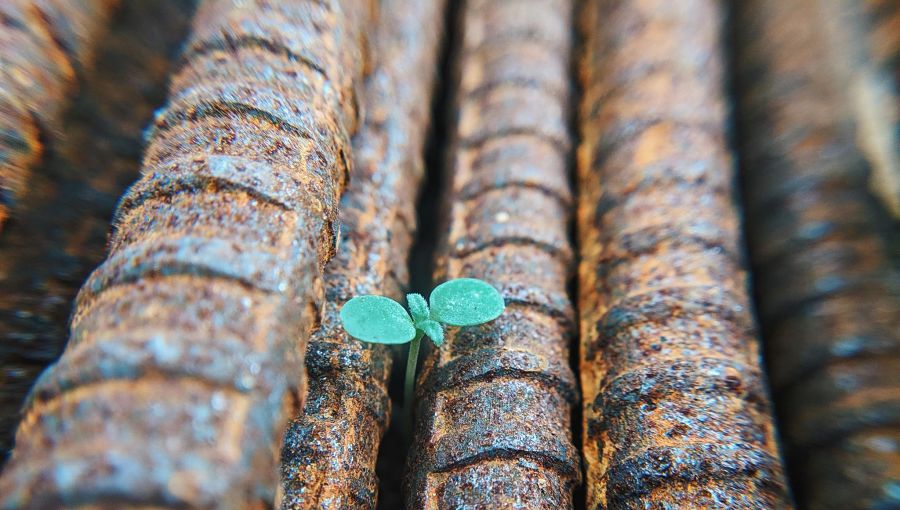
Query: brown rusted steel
x,y
185,357
828,294
329,452
61,224
43,43
879,116
676,413
494,402
861,50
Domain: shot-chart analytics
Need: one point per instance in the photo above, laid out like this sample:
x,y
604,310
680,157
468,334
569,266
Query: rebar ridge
x,y
494,402
62,219
880,123
676,413
185,358
827,291
43,44
329,452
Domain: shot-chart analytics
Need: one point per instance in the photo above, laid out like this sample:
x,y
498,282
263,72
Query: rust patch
x,y
675,409
494,403
187,345
827,289
329,451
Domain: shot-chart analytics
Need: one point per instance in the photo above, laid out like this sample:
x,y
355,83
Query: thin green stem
x,y
410,382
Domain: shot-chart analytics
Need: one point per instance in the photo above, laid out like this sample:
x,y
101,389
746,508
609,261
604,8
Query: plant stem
x,y
411,360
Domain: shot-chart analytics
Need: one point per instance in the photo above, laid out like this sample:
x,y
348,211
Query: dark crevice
x,y
579,41
395,446
735,86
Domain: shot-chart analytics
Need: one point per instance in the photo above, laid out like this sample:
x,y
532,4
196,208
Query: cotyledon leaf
x,y
377,319
466,302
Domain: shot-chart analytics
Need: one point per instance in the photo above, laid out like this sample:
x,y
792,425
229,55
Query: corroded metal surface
x,y
861,50
828,295
879,119
43,43
676,413
60,229
494,402
185,356
329,452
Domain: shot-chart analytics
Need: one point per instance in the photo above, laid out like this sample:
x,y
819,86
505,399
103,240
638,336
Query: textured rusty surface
x,y
43,46
185,355
329,452
828,294
861,52
494,402
676,413
59,232
879,119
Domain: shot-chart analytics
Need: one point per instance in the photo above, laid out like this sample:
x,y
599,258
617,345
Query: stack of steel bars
x,y
205,365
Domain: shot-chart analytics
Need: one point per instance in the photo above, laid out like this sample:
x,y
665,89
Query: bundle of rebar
x,y
311,151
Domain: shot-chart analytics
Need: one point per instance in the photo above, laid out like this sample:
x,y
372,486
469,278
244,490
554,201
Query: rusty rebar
x,y
827,291
676,413
43,45
329,452
861,50
185,358
494,402
879,102
62,219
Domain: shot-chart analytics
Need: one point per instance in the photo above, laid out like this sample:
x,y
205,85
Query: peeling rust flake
x,y
329,452
675,408
186,351
494,402
828,289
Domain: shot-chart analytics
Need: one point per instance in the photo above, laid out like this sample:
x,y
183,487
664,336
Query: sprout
x,y
381,320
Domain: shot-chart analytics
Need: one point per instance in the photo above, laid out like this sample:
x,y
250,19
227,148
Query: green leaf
x,y
377,319
418,306
434,330
466,302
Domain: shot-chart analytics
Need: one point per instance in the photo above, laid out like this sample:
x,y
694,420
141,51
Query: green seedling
x,y
381,320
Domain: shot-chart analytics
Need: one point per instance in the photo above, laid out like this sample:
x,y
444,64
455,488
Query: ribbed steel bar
x,y
879,119
676,413
60,228
43,43
494,402
829,299
185,359
329,452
